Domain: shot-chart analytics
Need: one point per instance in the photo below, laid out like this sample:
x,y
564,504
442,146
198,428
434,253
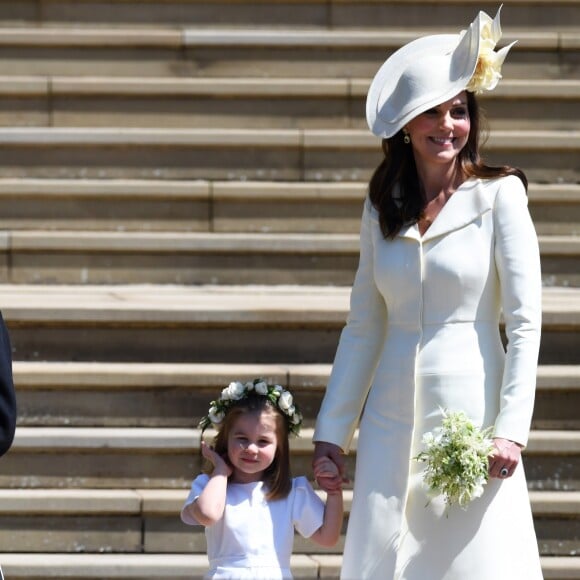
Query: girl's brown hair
x,y
398,173
278,476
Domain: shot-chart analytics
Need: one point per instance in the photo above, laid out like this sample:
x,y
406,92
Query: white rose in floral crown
x,y
488,68
215,415
285,401
234,391
261,388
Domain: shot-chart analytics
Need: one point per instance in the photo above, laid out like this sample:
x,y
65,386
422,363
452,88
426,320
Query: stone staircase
x,y
181,183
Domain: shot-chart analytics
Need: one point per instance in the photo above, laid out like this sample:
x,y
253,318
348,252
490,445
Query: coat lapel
x,y
410,232
464,206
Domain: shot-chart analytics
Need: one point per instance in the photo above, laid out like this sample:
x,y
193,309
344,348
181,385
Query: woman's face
x,y
440,133
252,444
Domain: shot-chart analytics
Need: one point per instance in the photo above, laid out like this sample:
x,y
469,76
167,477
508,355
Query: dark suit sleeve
x,y
7,394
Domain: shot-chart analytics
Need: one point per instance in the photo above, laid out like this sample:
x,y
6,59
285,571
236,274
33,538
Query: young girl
x,y
249,504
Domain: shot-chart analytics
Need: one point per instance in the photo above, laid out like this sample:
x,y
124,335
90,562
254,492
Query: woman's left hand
x,y
505,458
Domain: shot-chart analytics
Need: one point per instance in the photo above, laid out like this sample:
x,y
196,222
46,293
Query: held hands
x,y
220,465
505,458
327,474
329,467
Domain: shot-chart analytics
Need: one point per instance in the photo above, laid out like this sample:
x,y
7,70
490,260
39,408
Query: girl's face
x,y
252,444
440,133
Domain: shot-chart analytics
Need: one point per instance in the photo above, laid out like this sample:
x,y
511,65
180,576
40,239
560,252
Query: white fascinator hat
x,y
433,69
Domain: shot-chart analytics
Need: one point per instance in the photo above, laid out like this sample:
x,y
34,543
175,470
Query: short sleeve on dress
x,y
308,508
197,487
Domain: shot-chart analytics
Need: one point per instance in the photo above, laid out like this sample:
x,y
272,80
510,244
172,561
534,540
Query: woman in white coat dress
x,y
447,245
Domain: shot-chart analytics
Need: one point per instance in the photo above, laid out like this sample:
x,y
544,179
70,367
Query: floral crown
x,y
280,398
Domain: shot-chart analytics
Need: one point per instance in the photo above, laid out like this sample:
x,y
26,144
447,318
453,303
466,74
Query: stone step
x,y
337,207
178,394
556,403
253,102
556,518
130,566
261,154
270,13
118,204
253,52
559,265
225,206
135,520
550,527
72,257
184,258
79,457
186,566
234,324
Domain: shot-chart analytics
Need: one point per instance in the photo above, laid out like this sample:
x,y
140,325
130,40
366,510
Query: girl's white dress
x,y
254,538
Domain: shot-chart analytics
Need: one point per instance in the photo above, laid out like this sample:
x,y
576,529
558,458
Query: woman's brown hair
x,y
277,476
394,186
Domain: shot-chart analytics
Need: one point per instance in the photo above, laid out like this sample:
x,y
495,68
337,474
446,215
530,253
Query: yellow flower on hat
x,y
488,68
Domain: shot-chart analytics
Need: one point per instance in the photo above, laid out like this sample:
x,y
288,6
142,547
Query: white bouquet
x,y
457,455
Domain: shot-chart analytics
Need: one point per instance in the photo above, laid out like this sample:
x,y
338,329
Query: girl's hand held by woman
x,y
327,471
330,480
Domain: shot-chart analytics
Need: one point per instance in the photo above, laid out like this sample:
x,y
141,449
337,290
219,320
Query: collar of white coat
x,y
470,200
